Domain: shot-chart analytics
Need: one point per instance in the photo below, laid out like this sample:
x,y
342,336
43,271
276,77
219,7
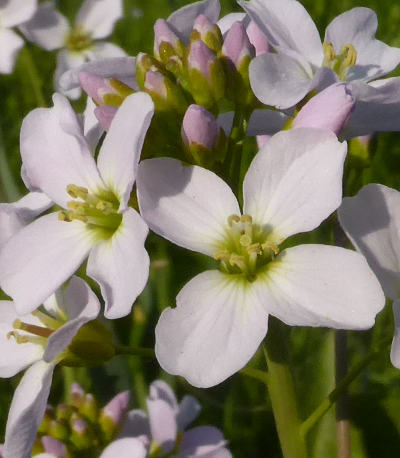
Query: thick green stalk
x,y
134,351
281,392
33,76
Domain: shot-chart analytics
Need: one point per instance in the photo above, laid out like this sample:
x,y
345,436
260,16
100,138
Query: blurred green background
x,y
239,406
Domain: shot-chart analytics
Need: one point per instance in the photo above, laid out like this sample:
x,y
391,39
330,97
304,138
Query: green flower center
x,y
78,40
247,249
98,211
342,62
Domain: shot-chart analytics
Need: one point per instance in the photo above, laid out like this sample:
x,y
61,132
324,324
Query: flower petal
x,y
227,21
321,285
288,27
161,390
128,447
11,43
136,424
120,152
48,28
101,50
372,222
28,260
266,122
27,410
121,265
213,332
16,12
203,441
162,423
15,357
189,410
99,16
67,60
182,20
55,152
91,126
81,305
187,205
357,27
395,350
295,181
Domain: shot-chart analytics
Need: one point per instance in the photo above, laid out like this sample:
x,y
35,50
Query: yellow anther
x,y
238,261
103,205
255,248
72,215
18,337
245,240
349,55
63,216
47,320
78,207
32,328
233,219
77,192
246,219
329,53
222,255
269,246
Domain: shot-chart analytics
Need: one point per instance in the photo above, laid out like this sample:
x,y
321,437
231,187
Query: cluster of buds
x,y
80,427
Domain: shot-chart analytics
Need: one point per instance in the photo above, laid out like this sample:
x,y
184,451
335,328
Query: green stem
x,y
33,76
134,351
282,393
341,387
7,182
255,373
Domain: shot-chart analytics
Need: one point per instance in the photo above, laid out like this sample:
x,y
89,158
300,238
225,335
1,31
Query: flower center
x,y
99,212
78,40
247,248
341,63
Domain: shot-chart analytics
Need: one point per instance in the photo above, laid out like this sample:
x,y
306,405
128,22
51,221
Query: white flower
x,y
372,221
302,63
12,13
39,340
221,317
95,20
96,222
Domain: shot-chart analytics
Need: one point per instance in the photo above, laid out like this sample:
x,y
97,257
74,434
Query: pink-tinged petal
x,y
395,350
162,423
161,390
187,205
55,153
322,285
11,43
358,27
53,447
67,60
122,68
40,257
371,220
213,332
189,410
125,448
121,265
92,129
203,441
48,28
105,115
81,306
288,27
295,181
120,152
257,39
14,12
99,51
99,16
27,410
117,408
136,424
226,22
15,357
182,20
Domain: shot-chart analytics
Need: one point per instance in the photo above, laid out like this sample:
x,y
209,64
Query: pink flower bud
x,y
95,86
54,447
330,109
200,58
257,39
165,37
237,45
199,127
155,83
105,115
117,408
206,31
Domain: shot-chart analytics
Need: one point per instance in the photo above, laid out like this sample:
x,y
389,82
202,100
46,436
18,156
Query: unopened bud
x,y
64,411
95,86
105,115
207,32
113,414
76,394
145,63
54,447
166,42
257,39
237,47
330,109
166,94
81,436
58,430
89,408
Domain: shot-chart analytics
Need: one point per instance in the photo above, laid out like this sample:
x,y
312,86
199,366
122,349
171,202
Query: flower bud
x,y
166,94
76,394
89,408
166,42
257,39
105,115
64,411
330,109
204,139
145,63
237,47
58,430
113,414
81,436
104,91
54,447
207,32
206,74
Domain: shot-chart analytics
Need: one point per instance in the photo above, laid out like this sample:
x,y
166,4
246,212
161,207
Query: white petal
x,y
162,423
321,285
189,410
279,80
40,257
288,27
372,221
121,265
295,181
187,205
215,329
67,60
48,28
122,68
16,12
91,126
136,424
395,350
266,122
81,305
55,153
203,441
357,27
120,152
182,20
226,22
11,43
161,390
99,16
102,50
27,410
128,447
15,357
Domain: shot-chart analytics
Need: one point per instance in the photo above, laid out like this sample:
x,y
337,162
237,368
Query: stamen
x,y
329,53
238,261
22,339
77,192
233,219
269,246
32,328
349,55
245,240
47,320
222,255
